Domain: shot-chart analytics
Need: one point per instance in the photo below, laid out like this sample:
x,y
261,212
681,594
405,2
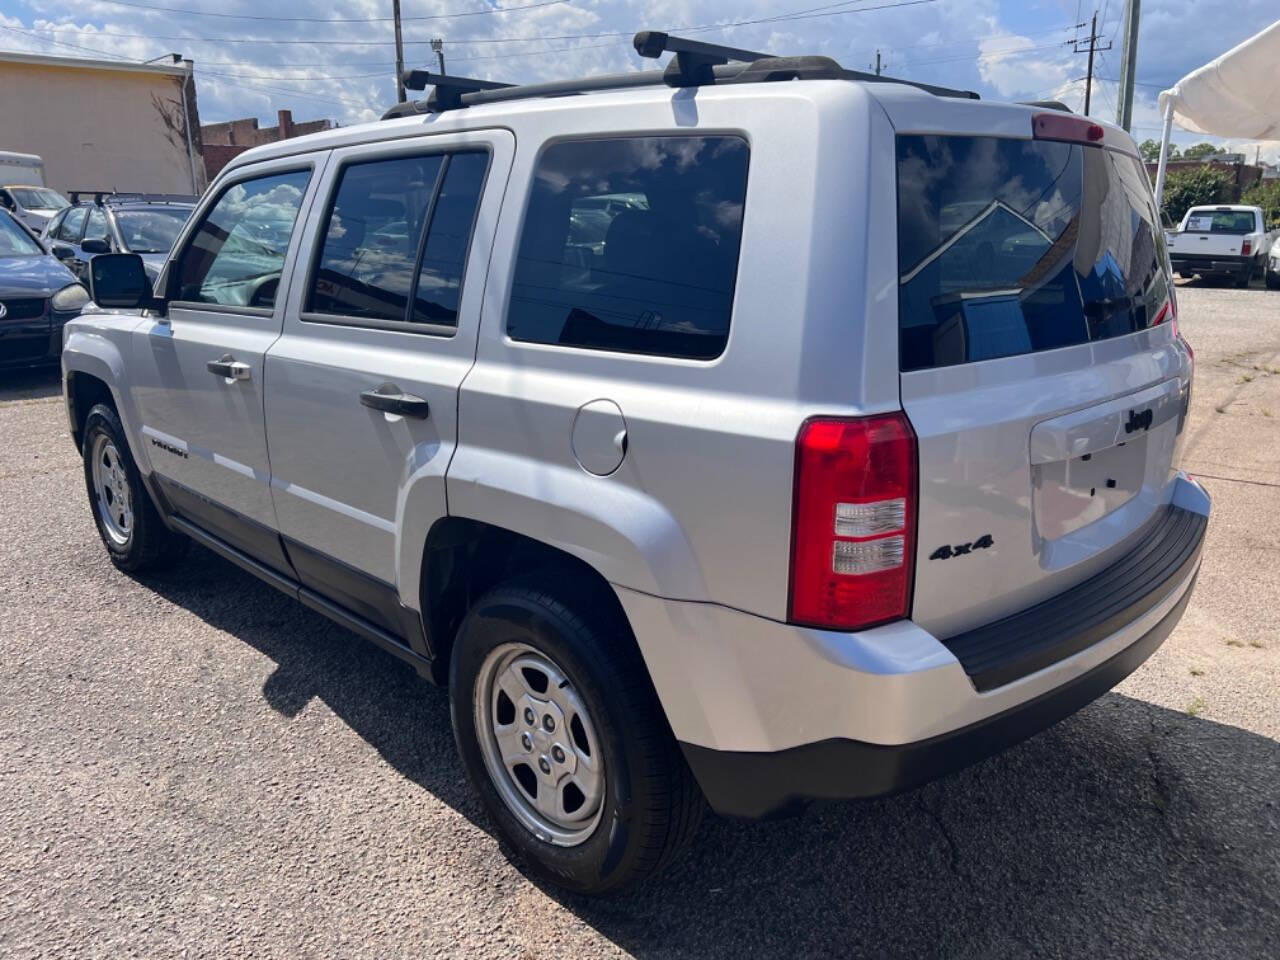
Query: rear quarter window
x,y
631,244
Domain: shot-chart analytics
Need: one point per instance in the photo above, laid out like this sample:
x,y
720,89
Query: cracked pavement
x,y
193,765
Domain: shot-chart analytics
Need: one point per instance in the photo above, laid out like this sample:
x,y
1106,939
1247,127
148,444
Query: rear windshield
x,y
1220,221
1008,247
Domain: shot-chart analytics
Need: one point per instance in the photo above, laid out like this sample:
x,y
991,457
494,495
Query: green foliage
x,y
1149,150
1265,194
1184,189
1201,151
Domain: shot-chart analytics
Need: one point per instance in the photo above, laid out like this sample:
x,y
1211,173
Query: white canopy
x,y
1236,95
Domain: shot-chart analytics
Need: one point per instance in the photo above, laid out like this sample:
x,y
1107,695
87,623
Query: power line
x,y
711,27
251,16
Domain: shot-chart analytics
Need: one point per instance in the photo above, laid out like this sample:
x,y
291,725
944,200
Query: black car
x,y
38,295
145,224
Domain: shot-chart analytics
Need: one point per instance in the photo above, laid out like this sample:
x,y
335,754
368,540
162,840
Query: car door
x,y
197,374
362,385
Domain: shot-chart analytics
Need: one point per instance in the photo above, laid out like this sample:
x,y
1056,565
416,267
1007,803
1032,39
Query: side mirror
x,y
62,251
120,280
95,245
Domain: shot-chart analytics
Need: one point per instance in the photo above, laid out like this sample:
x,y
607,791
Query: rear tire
x,y
128,522
575,668
1273,280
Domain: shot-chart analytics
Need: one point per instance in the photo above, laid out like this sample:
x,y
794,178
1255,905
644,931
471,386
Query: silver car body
x,y
692,528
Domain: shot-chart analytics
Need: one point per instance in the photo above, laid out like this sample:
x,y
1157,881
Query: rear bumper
x,y
771,716
1198,263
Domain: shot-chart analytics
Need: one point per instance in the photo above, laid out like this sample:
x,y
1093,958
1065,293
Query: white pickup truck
x,y
1229,240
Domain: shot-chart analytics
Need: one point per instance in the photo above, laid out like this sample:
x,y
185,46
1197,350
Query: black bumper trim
x,y
1016,646
756,785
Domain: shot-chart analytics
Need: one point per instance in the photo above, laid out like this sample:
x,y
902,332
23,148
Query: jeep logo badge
x,y
1139,421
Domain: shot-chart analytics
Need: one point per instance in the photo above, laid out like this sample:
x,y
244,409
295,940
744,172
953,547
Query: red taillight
x,y
854,522
1246,248
1063,126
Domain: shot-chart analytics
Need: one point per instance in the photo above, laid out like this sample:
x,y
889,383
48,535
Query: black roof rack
x,y
1047,104
694,64
101,197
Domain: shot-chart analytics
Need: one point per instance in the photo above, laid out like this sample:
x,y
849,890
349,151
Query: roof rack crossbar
x,y
447,90
693,61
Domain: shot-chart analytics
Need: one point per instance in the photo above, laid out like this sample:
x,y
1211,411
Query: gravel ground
x,y
193,765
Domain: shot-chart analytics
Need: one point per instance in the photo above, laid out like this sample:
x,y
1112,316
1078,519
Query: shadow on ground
x,y
1128,830
31,384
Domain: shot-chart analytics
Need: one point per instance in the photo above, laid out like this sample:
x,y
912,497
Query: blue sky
x,y
250,61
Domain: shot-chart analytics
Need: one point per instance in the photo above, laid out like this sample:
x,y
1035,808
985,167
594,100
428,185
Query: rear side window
x,y
394,225
631,244
236,256
1008,247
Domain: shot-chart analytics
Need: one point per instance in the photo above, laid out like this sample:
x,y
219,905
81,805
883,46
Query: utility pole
x,y
1128,62
1093,45
395,13
438,46
878,65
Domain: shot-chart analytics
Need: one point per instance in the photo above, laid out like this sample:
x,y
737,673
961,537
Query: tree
x,y
1201,151
1149,150
1200,186
1265,194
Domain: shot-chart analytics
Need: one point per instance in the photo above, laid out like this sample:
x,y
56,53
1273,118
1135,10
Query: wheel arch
x,y
463,558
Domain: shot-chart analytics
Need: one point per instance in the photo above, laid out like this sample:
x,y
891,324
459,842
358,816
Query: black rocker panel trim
x,y
244,533
1015,646
364,604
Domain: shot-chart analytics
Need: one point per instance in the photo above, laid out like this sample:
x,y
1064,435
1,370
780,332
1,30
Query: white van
x,y
23,192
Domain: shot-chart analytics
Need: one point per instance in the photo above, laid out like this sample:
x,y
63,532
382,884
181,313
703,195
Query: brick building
x,y
225,141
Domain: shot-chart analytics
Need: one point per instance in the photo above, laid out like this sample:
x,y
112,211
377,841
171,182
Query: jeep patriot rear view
x,y
747,434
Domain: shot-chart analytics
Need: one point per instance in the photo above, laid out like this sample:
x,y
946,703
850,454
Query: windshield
x,y
38,198
151,231
14,241
1012,246
1220,221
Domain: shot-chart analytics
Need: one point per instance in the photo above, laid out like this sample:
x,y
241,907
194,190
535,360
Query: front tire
x,y
563,738
128,523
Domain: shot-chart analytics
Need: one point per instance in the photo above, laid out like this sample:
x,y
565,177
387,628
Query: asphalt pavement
x,y
193,765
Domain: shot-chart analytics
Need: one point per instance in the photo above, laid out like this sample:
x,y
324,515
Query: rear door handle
x,y
389,399
229,367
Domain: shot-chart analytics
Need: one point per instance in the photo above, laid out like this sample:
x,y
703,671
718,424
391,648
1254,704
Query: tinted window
x,y
632,244
444,256
371,238
236,256
97,228
70,228
1013,246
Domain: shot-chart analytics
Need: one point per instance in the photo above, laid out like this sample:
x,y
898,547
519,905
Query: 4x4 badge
x,y
946,551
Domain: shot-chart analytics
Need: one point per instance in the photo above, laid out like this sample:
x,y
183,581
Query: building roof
x,y
85,63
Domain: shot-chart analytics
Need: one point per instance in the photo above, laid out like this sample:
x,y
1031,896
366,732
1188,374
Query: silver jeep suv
x,y
749,433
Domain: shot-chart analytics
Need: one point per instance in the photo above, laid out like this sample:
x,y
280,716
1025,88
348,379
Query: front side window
x,y
71,226
97,228
237,255
397,232
1009,246
631,244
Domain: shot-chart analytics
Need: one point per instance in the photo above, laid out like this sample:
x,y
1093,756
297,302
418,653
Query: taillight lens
x,y
1246,248
854,523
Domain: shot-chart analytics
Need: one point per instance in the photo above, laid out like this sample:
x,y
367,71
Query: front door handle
x,y
229,367
389,399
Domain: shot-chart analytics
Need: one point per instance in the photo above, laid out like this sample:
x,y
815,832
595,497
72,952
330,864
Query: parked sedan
x,y
117,224
1273,266
38,295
